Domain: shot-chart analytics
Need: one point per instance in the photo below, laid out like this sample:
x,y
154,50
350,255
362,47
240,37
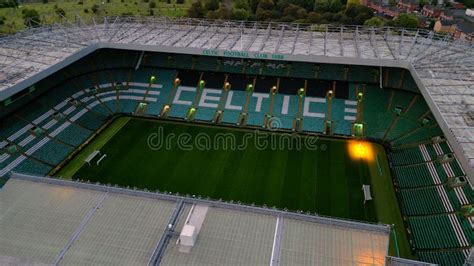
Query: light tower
x,y
298,120
166,108
269,115
218,115
328,124
192,110
243,116
358,127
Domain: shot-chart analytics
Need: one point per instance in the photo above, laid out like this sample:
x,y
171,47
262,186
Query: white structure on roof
x,y
442,67
470,12
192,227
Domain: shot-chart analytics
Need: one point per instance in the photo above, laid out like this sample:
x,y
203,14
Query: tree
x,y
221,13
266,4
353,2
152,4
31,17
405,20
254,5
211,5
358,14
179,2
266,10
295,12
423,3
306,4
2,20
335,6
196,10
313,17
373,22
95,8
321,6
265,15
240,14
60,12
241,4
468,3
8,3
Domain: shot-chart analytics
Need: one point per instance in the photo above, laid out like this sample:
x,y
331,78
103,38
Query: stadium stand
x,y
59,116
438,232
455,257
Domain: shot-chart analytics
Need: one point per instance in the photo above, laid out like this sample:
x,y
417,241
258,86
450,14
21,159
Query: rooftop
x,y
103,225
442,66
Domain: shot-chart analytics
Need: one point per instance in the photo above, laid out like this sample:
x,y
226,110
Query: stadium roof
x,y
443,67
49,221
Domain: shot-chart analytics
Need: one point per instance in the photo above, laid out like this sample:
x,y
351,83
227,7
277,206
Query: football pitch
x,y
294,172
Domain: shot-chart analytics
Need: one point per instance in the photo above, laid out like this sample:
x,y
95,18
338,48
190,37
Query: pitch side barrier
x,y
382,228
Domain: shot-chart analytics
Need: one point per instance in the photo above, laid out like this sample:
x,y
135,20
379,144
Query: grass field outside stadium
x,y
294,172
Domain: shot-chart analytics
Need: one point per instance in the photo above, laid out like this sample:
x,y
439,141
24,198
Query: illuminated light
x,y
274,89
361,150
152,79
202,83
360,96
301,92
358,130
177,81
227,86
249,88
330,93
166,108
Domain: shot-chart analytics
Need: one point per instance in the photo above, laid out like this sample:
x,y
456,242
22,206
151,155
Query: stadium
x,y
132,140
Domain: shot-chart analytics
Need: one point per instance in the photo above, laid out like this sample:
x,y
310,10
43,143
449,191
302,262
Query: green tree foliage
x,y
223,12
241,4
211,5
240,14
31,17
358,14
266,10
60,12
313,17
2,20
468,3
8,3
333,6
293,12
373,22
95,8
196,10
253,5
152,4
405,21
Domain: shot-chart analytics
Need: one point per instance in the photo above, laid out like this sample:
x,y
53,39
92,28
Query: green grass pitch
x,y
326,181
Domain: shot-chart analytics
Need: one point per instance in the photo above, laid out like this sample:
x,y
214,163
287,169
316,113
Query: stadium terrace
x,y
83,102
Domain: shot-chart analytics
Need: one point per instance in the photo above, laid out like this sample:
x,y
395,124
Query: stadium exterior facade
x,y
442,67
